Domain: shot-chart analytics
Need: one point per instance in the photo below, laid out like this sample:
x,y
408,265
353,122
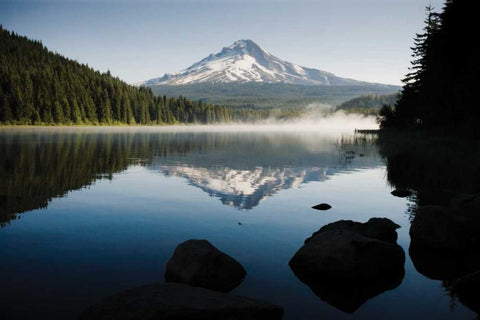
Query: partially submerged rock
x,y
198,263
444,245
322,206
467,209
377,228
401,193
178,301
439,227
346,263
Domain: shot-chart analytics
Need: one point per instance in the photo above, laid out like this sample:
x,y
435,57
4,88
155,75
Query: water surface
x,y
87,212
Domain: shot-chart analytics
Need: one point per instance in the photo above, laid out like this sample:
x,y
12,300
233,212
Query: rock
x,y
438,227
346,255
345,268
467,289
377,228
322,206
198,263
441,264
459,201
401,193
178,301
467,209
443,246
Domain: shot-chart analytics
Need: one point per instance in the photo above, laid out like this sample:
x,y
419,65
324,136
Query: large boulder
x,y
345,268
178,301
198,263
467,209
377,228
443,244
439,227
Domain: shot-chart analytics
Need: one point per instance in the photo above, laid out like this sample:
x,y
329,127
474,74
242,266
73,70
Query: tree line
x,y
441,89
39,87
368,104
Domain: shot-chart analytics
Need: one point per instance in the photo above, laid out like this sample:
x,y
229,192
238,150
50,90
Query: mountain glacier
x,y
245,61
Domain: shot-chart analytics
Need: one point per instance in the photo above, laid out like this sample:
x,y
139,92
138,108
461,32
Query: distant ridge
x,y
244,62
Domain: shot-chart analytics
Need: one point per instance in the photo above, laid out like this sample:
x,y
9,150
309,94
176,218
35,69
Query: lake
x,y
87,212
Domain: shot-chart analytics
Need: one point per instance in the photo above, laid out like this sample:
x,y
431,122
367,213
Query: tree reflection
x,y
444,172
240,169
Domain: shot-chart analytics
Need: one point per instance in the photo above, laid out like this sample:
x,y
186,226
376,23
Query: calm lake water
x,y
87,212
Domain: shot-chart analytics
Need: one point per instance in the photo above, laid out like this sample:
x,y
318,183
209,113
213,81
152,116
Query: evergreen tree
x,y
442,88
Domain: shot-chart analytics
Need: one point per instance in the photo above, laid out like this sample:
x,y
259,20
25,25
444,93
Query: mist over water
x,y
317,118
335,123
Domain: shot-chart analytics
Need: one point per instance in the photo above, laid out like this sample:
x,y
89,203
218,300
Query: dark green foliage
x,y
441,90
40,87
386,116
369,104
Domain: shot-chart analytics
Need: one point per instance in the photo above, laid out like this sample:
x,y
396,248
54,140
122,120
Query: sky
x,y
365,40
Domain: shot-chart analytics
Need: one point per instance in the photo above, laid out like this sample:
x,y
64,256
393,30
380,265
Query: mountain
x,y
40,87
245,61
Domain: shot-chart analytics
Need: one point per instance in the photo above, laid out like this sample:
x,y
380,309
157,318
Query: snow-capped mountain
x,y
245,61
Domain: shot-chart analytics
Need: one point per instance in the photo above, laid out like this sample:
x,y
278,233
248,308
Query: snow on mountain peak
x,y
245,61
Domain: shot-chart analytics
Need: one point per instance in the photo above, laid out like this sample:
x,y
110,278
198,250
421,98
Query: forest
x,y
283,96
441,89
39,87
368,104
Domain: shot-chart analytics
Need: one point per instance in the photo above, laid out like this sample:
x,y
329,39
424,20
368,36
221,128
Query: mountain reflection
x,y
240,169
244,169
245,189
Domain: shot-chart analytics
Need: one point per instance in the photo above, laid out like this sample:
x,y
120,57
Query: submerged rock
x,y
401,193
198,263
345,267
178,301
322,206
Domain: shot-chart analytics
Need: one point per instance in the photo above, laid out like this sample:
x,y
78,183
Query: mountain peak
x,y
244,44
245,61
242,47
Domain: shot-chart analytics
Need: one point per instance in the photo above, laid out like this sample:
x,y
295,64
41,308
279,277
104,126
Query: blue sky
x,y
367,40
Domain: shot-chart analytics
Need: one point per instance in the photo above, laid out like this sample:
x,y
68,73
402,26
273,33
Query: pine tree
x,y
411,101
